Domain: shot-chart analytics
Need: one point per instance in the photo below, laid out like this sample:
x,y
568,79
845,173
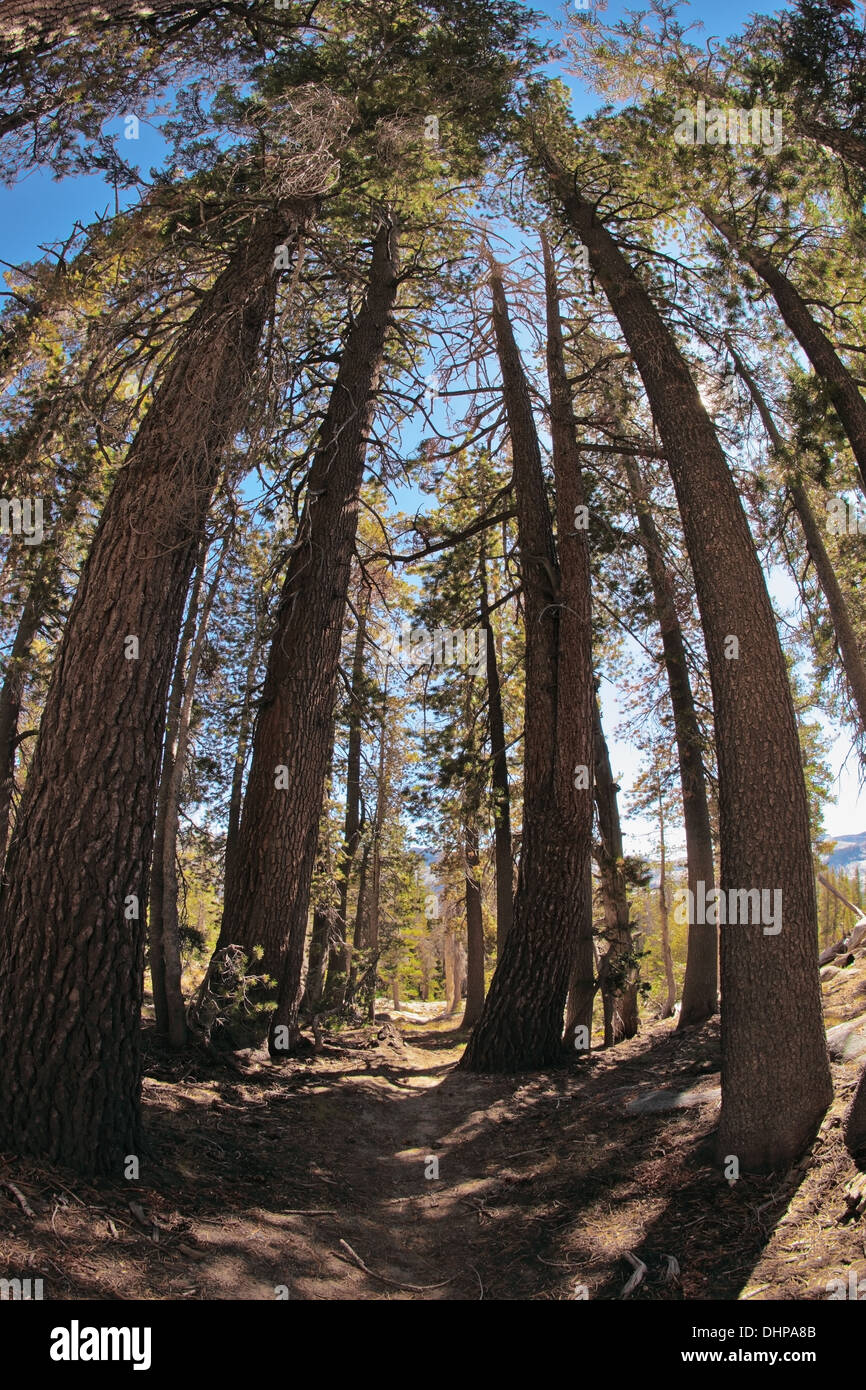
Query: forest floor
x,y
265,1181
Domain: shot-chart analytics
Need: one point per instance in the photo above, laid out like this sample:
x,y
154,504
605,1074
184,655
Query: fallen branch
x,y
639,1271
19,1197
383,1278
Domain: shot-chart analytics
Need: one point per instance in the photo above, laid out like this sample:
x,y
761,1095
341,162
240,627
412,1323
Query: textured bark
x,y
846,638
775,1072
474,929
619,974
340,961
267,902
701,984
502,846
522,1021
841,386
71,914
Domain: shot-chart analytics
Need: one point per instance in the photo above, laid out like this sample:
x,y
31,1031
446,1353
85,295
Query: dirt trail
x,y
273,1181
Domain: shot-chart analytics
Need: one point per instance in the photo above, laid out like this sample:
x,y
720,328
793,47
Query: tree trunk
x,y
842,142
157,877
71,921
454,972
268,901
667,957
619,973
340,960
165,851
359,931
521,1025
841,386
582,984
323,912
849,648
474,929
701,984
238,768
770,989
371,938
502,848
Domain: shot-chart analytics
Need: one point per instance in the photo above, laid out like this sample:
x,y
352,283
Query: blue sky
x,y
40,211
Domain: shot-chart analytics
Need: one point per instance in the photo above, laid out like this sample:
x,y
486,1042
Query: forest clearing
x,y
433,661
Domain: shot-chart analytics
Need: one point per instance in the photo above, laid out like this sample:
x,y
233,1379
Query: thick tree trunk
x,y
521,1025
770,990
502,847
268,900
340,960
575,688
846,638
619,973
701,984
71,914
841,386
474,929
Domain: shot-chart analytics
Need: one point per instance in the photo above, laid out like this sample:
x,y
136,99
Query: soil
x,y
266,1181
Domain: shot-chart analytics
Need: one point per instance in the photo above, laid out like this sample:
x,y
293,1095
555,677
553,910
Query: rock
x,y
847,1041
858,934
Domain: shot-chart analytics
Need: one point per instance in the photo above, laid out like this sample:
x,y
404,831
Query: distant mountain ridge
x,y
850,850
